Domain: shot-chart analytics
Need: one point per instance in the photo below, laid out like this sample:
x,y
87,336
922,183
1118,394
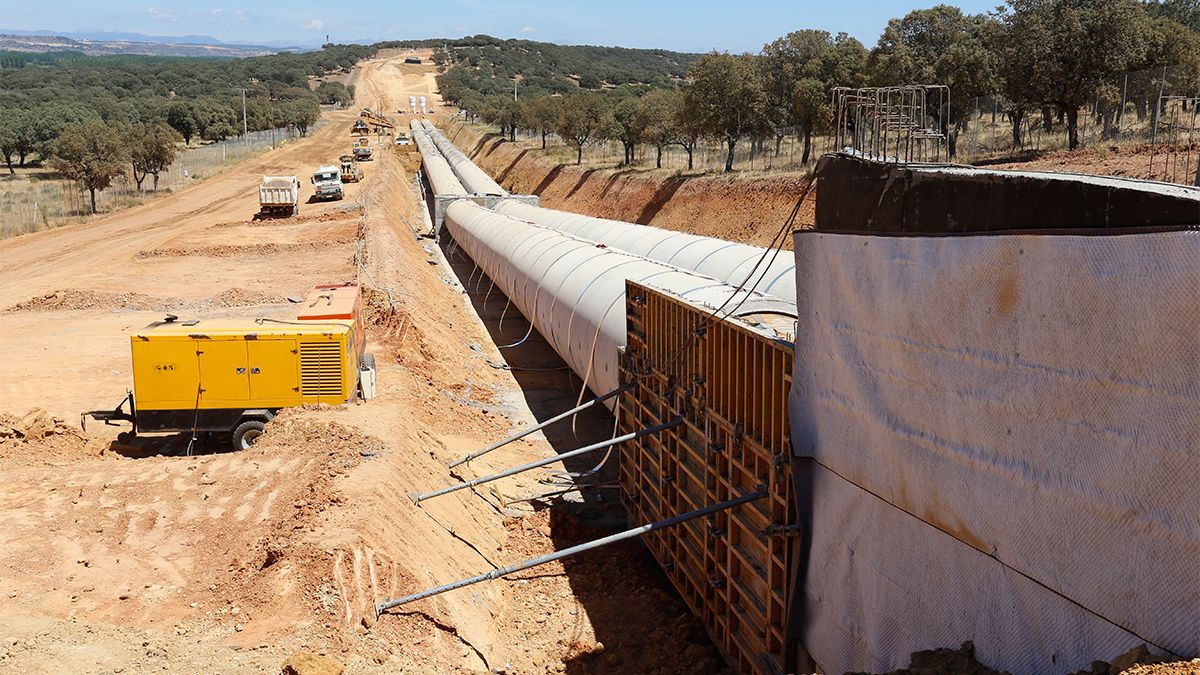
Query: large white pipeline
x,y
774,272
437,171
573,290
473,178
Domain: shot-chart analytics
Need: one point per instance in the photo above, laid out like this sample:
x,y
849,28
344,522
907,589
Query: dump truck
x,y
351,173
279,195
362,149
327,182
231,377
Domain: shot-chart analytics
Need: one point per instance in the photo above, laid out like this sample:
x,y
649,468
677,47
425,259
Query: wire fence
x,y
37,199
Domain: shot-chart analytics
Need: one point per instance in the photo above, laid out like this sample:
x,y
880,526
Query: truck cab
x,y
327,182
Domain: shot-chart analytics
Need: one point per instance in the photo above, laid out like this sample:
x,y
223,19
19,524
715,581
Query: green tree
x,y
801,69
16,134
1089,43
91,153
46,122
938,46
181,116
541,114
335,93
688,129
1020,52
582,117
630,125
300,113
504,112
218,131
659,110
726,95
152,148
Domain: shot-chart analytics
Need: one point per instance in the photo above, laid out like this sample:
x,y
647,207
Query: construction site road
x,y
115,560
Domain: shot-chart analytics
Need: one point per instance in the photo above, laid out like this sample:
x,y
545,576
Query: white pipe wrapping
x,y
573,290
723,260
473,178
437,171
773,273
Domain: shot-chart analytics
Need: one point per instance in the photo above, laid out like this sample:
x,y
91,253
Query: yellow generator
x,y
222,376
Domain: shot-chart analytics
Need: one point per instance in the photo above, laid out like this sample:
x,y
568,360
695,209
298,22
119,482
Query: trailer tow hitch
x,y
111,417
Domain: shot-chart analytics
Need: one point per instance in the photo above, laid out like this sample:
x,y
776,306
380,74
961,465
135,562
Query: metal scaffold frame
x,y
892,124
728,384
1173,137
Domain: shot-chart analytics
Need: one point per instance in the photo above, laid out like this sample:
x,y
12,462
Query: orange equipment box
x,y
336,302
331,301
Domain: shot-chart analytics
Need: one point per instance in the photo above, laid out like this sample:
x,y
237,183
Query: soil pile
x,y
1139,661
76,299
38,437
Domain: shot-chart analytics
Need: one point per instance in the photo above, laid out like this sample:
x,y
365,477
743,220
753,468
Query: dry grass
x,y
35,198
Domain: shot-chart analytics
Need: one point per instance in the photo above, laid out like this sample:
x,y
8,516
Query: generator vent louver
x,y
320,369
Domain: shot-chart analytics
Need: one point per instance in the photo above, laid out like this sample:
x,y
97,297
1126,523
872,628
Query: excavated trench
x,y
633,607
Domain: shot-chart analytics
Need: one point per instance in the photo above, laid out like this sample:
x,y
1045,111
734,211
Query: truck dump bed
x,y
278,190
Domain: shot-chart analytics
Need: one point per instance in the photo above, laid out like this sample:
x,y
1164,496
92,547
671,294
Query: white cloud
x,y
316,24
528,29
239,16
216,12
160,14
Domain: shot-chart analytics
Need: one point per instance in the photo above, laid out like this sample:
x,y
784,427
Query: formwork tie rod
x,y
568,552
549,460
557,418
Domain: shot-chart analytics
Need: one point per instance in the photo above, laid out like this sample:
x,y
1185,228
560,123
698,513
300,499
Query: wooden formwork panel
x,y
729,386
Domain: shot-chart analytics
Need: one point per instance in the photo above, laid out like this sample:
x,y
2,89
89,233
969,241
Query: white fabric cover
x,y
1009,433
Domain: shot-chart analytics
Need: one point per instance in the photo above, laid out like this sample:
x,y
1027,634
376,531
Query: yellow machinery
x,y
222,376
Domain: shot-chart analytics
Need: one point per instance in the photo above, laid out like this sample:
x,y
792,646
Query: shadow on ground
x,y
643,623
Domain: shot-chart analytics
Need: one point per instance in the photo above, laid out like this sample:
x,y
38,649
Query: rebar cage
x,y
892,124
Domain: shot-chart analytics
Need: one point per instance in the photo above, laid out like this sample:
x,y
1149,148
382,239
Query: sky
x,y
694,26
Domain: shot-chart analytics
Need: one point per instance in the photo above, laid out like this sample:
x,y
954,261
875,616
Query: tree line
x,y
486,65
201,98
1053,58
94,118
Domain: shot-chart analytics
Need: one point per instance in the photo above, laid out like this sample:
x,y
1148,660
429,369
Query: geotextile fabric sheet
x,y
1005,432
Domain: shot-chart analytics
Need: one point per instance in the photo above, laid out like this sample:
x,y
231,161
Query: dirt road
x,y
232,562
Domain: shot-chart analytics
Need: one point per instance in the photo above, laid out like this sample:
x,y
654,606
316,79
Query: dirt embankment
x,y
739,207
135,562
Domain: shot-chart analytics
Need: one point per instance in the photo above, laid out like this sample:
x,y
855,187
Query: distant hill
x,y
123,43
486,65
121,36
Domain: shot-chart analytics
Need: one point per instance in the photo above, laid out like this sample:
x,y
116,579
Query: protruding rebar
x,y
567,552
537,427
543,462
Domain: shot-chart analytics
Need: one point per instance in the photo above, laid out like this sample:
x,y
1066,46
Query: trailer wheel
x,y
247,433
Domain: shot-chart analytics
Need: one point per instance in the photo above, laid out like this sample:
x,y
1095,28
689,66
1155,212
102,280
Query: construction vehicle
x,y
231,377
403,139
362,149
279,195
327,182
377,122
351,173
360,127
